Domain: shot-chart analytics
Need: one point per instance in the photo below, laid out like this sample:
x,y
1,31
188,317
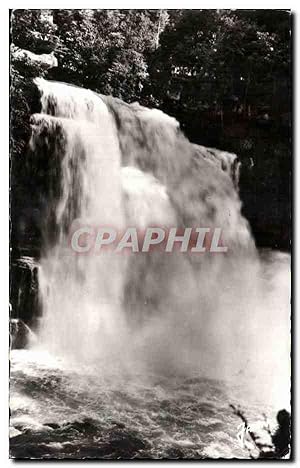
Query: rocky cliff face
x,y
24,299
21,335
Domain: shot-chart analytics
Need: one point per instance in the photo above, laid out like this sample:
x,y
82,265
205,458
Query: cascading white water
x,y
123,165
82,296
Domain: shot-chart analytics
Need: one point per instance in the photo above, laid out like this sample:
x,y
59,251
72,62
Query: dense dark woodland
x,y
224,74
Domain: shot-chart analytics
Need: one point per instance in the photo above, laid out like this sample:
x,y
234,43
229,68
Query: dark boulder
x,y
20,334
24,299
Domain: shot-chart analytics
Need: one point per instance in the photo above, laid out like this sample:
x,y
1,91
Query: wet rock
x,y
126,445
24,299
52,425
20,334
87,425
119,424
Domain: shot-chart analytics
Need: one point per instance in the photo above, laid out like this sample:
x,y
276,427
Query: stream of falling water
x,y
140,355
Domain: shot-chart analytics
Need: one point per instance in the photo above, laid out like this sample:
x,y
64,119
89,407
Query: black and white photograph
x,y
150,205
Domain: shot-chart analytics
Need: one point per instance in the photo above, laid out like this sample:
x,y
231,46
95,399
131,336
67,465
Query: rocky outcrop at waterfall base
x,y
279,445
24,299
119,442
20,334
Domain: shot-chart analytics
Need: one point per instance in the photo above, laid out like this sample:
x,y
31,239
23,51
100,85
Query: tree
x,y
208,56
226,76
106,50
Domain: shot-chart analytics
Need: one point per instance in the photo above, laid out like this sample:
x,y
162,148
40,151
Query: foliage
x,y
208,56
33,30
226,76
106,49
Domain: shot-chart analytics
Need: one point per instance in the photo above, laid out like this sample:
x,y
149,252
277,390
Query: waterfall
x,y
120,165
80,295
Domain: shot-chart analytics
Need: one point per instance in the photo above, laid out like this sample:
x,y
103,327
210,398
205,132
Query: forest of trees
x,y
224,74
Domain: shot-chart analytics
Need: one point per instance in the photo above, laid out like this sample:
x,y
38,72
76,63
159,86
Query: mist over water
x,y
220,315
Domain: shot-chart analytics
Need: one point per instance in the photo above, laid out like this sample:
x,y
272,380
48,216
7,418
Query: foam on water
x,y
75,411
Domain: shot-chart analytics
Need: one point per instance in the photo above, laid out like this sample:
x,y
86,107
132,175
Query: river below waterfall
x,y
64,412
63,409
